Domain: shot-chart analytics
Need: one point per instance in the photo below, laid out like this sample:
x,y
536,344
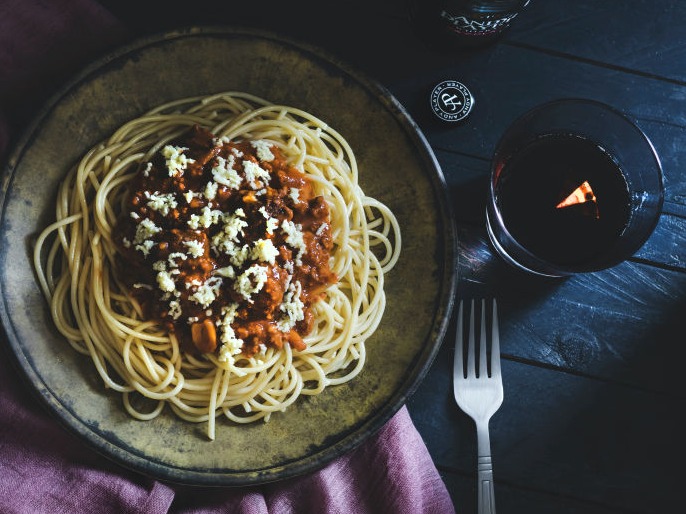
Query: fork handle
x,y
486,493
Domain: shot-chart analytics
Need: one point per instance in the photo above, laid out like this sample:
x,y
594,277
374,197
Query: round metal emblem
x,y
451,101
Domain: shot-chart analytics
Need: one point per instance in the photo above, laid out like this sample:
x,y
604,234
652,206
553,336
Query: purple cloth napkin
x,y
44,468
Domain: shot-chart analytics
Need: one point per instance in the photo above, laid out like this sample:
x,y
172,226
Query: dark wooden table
x,y
592,364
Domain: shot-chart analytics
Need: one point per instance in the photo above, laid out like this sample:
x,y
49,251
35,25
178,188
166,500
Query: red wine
x,y
564,199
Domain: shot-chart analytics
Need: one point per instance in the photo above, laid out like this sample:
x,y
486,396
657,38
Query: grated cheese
x,y
294,237
176,161
292,307
263,150
244,283
145,230
264,251
206,219
161,203
253,173
224,173
195,248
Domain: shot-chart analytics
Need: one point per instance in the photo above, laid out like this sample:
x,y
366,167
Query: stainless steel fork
x,y
478,393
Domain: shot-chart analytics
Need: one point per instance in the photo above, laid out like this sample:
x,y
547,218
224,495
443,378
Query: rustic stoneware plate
x,y
396,166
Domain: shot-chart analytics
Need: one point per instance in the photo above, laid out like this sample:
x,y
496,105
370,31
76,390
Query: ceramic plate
x,y
396,166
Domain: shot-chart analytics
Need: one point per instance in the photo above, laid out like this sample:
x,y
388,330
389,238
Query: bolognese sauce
x,y
226,244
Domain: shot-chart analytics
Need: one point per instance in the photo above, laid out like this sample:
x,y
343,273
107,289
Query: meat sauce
x,y
226,244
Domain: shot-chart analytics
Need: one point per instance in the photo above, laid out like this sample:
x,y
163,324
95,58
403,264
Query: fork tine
x,y
471,351
495,344
458,365
483,363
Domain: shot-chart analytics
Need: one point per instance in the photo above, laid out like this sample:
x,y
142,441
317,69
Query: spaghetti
x,y
275,191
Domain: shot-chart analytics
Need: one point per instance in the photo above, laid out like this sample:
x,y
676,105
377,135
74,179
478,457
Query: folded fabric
x,y
41,45
46,469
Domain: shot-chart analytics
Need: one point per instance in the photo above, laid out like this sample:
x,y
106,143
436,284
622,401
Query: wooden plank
x,y
509,499
561,434
617,325
633,34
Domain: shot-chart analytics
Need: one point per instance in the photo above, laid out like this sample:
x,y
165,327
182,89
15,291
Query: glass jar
x,y
464,23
